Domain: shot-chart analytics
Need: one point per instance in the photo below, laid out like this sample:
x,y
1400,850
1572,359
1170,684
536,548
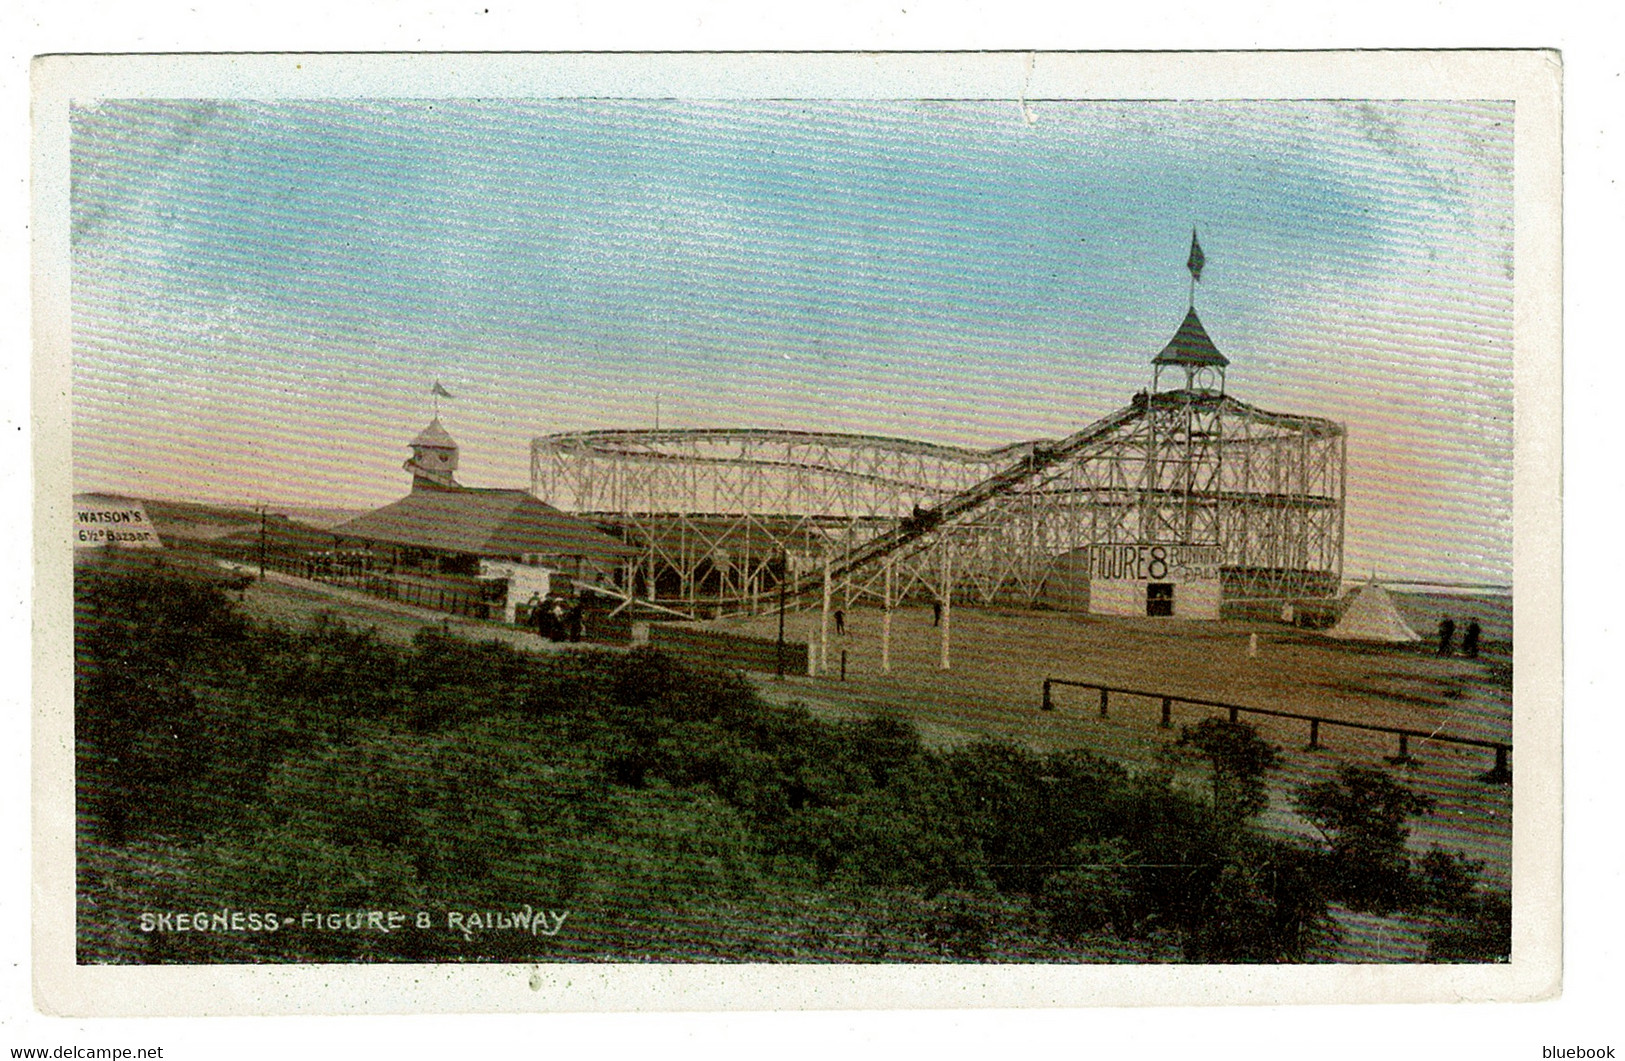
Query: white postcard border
x,y
1531,79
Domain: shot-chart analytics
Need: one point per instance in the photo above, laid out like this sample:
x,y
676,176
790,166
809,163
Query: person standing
x,y
936,613
840,623
1469,640
1447,635
540,620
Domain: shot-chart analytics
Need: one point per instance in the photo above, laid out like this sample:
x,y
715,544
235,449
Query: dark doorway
x,y
1159,598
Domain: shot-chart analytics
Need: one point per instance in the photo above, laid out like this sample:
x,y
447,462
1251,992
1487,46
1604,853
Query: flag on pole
x,y
1197,258
440,392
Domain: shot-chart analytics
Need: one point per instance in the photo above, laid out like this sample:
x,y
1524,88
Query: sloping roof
x,y
483,523
1191,346
1372,616
434,435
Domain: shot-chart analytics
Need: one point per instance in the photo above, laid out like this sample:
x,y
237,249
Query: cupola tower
x,y
1198,366
433,463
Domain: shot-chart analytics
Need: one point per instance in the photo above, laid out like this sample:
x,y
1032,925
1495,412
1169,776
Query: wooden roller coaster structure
x,y
727,518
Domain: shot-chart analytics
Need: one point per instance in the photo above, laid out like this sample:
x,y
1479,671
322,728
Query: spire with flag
x,y
1194,263
439,392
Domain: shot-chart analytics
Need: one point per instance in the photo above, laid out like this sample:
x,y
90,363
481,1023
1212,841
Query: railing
x,y
439,598
1501,773
457,599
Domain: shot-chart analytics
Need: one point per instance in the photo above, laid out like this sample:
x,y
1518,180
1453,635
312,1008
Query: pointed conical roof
x,y
1191,346
434,435
1372,616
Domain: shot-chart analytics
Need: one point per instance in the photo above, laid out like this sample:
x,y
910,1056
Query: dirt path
x,y
291,600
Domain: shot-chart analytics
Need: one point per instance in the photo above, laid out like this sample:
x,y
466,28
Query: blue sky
x,y
263,292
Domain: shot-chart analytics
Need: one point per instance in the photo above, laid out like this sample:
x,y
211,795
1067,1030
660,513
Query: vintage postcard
x,y
752,530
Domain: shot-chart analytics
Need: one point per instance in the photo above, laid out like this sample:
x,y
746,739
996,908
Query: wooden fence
x,y
1501,773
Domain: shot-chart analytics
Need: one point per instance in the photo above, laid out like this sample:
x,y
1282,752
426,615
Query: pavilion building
x,y
445,541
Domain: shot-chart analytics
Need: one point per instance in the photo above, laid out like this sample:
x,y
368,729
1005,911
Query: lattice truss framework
x,y
894,518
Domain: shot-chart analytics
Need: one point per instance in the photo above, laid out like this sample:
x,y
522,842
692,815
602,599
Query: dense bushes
x,y
1471,924
146,741
670,812
1362,815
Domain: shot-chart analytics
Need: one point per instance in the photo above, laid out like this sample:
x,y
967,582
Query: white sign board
x,y
100,520
1155,579
1142,562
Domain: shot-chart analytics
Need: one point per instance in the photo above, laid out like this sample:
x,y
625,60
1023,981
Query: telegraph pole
x,y
885,625
784,575
823,624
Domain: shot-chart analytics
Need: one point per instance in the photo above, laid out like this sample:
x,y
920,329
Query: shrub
x,y
1361,816
1480,931
143,638
1468,924
1239,759
962,924
1448,879
669,809
1264,906
997,795
1093,890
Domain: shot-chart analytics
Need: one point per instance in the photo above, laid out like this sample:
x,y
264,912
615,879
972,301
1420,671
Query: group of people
x,y
554,620
1469,638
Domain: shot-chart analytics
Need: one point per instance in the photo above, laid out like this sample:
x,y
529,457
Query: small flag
x,y
1197,258
440,392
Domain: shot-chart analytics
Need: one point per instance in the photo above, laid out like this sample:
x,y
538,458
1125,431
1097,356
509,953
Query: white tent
x,y
1372,616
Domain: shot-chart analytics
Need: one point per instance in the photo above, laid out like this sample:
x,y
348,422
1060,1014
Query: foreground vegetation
x,y
249,792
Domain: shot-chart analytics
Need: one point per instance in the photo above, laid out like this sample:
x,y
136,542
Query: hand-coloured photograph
x,y
768,527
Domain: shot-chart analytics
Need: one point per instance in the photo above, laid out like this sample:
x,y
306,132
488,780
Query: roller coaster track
x,y
644,443
924,522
